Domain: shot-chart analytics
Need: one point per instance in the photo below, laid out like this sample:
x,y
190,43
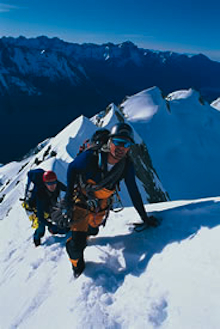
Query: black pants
x,y
77,243
53,229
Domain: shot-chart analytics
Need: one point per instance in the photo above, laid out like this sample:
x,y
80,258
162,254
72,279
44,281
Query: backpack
x,y
35,180
96,142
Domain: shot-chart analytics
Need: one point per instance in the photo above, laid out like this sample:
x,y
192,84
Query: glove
x,y
147,223
152,221
24,204
27,206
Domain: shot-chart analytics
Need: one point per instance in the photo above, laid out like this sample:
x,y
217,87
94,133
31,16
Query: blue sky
x,y
191,26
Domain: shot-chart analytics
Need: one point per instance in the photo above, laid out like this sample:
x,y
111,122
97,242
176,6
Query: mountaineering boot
x,y
78,266
37,242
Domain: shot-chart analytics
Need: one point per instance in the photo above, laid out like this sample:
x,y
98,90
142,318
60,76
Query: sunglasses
x,y
51,183
121,142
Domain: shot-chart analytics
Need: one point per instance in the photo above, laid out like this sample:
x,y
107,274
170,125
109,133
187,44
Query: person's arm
x,y
134,192
41,206
80,165
62,187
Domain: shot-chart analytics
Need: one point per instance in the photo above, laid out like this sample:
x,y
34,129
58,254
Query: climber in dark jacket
x,y
92,179
44,197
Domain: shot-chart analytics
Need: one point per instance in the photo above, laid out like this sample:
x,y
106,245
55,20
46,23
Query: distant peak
x,y
127,44
216,104
191,94
200,57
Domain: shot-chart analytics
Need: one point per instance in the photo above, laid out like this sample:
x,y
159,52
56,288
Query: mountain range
x,y
46,83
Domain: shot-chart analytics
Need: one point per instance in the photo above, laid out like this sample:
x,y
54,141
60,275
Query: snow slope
x,y
216,104
162,278
182,133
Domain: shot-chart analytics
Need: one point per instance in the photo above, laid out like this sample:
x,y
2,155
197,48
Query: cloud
x,y
4,8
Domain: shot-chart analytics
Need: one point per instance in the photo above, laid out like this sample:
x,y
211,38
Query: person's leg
x,y
54,229
80,230
38,234
75,246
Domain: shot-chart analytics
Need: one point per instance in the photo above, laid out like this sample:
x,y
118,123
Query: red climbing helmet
x,y
49,176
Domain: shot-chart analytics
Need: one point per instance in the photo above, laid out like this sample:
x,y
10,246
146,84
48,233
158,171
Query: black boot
x,y
37,242
79,268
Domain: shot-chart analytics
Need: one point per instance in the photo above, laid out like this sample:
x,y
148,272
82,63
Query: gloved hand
x,y
27,206
147,223
24,204
152,221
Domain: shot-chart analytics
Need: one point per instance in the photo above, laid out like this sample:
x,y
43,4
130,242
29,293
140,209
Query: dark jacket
x,y
88,164
41,197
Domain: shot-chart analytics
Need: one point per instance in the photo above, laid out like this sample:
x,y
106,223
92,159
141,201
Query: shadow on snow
x,y
178,224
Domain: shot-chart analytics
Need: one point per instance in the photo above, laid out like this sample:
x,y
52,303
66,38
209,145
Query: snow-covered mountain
x,y
216,104
22,60
166,277
41,78
182,134
56,153
177,141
